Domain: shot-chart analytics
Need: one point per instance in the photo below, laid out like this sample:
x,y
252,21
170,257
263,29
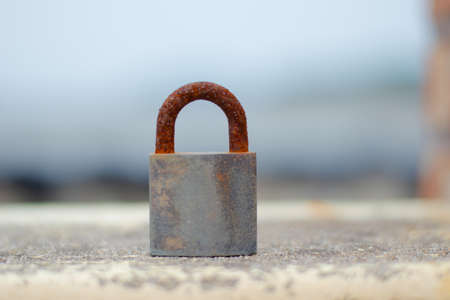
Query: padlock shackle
x,y
237,122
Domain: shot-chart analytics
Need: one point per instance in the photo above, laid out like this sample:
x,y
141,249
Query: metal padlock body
x,y
202,204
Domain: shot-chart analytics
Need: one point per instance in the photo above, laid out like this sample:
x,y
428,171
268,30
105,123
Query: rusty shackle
x,y
237,122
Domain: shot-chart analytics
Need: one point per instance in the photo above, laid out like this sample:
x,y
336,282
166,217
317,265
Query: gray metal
x,y
203,204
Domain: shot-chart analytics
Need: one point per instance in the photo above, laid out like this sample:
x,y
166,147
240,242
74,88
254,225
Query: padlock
x,y
202,204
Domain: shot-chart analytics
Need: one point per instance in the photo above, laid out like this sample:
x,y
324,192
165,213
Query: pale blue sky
x,y
79,79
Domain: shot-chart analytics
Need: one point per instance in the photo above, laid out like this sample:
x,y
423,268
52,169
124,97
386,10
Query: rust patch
x,y
237,122
221,177
173,243
163,199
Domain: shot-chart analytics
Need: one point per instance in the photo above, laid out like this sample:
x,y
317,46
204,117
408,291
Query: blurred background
x,y
338,94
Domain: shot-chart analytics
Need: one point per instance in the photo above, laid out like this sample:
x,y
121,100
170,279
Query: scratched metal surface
x,y
203,204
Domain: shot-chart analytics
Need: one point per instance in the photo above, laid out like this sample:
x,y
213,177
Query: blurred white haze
x,y
331,88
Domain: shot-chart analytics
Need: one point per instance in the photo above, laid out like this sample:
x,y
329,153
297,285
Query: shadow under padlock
x,y
202,204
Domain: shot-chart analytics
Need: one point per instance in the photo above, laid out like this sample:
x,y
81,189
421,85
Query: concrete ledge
x,y
131,214
127,281
306,250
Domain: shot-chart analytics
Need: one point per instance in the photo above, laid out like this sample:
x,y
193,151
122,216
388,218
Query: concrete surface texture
x,y
306,250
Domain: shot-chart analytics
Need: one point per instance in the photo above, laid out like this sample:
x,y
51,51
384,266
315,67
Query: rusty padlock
x,y
202,204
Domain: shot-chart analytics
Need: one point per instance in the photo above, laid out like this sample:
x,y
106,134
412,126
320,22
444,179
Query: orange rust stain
x,y
220,177
156,187
173,243
163,199
167,213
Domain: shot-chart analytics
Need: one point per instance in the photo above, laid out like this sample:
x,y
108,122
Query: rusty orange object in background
x,y
435,167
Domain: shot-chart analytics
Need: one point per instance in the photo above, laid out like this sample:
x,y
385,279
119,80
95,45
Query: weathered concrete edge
x,y
125,281
135,214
